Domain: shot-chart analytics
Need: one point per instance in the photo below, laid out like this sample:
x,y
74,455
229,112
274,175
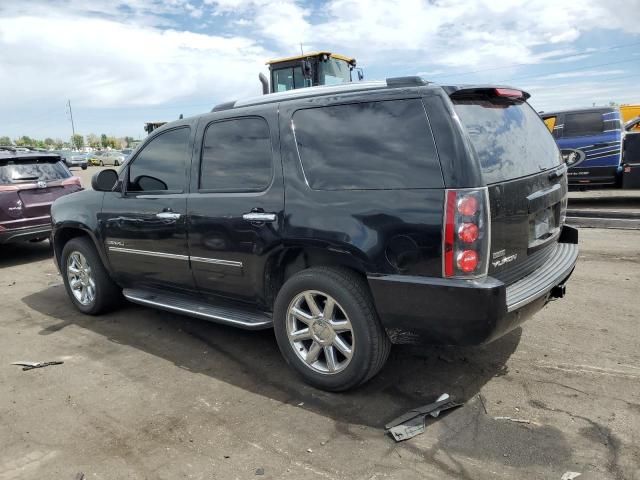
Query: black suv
x,y
347,218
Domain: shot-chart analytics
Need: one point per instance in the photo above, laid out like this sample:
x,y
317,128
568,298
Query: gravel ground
x,y
144,394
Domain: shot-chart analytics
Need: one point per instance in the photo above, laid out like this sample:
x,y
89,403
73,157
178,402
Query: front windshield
x,y
334,71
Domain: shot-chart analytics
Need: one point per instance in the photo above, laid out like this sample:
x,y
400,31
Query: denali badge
x,y
504,260
114,243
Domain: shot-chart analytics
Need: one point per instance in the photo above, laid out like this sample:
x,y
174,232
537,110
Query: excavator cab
x,y
311,69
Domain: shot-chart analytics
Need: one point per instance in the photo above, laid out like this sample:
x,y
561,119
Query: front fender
x,y
77,215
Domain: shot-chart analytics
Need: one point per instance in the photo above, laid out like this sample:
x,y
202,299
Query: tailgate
x,y
36,202
526,219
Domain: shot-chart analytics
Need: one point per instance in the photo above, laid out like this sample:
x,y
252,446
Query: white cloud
x,y
107,63
580,94
582,74
108,53
452,33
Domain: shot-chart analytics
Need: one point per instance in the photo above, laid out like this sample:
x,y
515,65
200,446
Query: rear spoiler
x,y
486,90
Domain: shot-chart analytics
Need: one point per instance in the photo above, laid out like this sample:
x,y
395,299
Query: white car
x,y
112,157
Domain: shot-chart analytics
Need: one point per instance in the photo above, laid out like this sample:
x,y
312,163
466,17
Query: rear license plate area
x,y
544,225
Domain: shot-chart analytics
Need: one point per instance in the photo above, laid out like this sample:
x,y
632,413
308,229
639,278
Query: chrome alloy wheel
x,y
81,281
320,332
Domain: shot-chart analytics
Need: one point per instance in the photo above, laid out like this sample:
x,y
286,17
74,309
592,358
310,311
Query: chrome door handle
x,y
259,217
168,215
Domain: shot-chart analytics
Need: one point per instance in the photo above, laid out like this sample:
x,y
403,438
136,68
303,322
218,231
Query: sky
x,y
123,63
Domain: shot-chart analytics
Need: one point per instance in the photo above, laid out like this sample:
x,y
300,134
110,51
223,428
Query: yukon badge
x,y
503,260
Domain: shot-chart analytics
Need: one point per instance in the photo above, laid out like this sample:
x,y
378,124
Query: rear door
x,y
236,203
526,179
144,227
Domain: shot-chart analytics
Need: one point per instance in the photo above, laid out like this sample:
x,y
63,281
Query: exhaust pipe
x,y
558,291
264,82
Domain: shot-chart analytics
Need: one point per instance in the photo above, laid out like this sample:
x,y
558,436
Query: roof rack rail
x,y
414,81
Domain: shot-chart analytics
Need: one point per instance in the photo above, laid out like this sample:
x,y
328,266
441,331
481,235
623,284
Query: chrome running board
x,y
236,316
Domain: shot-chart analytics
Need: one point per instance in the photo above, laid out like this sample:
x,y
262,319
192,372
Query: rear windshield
x,y
21,171
509,138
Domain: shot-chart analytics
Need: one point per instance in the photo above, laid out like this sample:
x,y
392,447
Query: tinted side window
x,y
365,146
587,123
161,163
236,156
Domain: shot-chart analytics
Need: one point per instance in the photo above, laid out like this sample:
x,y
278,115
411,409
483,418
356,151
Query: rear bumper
x,y
25,233
467,312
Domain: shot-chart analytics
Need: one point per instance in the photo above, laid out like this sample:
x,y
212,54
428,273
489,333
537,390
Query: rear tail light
x,y
72,181
467,231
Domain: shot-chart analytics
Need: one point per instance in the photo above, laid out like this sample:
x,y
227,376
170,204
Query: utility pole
x,y
73,128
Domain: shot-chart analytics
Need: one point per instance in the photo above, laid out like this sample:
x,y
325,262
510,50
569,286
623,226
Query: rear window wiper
x,y
21,179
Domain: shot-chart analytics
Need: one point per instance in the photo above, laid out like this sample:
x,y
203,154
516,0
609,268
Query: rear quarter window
x,y
367,146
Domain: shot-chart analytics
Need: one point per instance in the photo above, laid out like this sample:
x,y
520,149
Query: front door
x,y
236,205
144,226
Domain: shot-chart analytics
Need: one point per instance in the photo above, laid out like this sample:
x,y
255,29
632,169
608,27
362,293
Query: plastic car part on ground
x,y
412,423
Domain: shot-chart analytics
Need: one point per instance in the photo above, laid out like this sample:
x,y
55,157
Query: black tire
x,y
371,345
101,163
84,167
107,294
116,163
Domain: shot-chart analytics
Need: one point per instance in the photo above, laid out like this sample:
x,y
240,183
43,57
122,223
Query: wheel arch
x,y
292,259
64,232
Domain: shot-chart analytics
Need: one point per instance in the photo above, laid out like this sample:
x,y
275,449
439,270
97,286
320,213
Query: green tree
x,y
24,141
57,143
93,141
5,141
49,142
129,141
77,140
103,140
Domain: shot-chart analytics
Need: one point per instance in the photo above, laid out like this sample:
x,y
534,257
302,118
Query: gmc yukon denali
x,y
347,218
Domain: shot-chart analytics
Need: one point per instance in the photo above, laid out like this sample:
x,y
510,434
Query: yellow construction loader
x,y
309,69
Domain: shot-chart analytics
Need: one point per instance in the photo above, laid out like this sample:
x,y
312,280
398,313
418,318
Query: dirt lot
x,y
148,394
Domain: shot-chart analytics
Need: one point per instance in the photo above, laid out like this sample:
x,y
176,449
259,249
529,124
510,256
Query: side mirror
x,y
104,181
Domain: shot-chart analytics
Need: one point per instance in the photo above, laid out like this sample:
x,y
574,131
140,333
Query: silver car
x,y
74,159
112,157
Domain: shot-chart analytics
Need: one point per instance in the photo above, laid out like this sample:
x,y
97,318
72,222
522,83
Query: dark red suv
x,y
29,183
